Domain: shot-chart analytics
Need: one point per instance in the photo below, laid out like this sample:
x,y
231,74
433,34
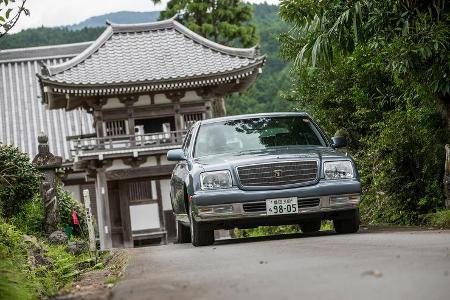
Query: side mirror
x,y
176,155
339,141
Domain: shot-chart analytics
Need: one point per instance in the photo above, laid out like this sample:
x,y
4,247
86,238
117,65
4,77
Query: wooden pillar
x,y
219,107
98,120
209,109
104,219
125,215
129,102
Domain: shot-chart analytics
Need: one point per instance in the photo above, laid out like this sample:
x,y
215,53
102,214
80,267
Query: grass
x,y
276,230
439,219
21,279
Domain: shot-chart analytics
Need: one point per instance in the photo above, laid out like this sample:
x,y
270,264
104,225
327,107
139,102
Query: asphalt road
x,y
368,265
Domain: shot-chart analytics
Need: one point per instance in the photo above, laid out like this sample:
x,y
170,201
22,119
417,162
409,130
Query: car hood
x,y
225,161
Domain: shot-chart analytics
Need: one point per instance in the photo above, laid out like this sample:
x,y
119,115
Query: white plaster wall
x,y
118,165
113,103
191,96
74,190
165,194
161,99
145,216
164,160
143,100
150,162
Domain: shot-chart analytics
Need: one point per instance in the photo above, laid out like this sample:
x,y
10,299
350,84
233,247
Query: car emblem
x,y
277,173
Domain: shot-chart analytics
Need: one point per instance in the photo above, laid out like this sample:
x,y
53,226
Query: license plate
x,y
282,206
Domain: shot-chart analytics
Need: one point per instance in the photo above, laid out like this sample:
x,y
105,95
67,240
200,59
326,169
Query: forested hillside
x,y
263,96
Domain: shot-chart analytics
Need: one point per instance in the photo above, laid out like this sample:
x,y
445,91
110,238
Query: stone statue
x,y
48,163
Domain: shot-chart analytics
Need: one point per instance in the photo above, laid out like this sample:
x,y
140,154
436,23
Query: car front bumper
x,y
226,208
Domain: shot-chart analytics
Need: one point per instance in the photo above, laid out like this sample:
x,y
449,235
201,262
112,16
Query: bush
x,y
19,180
30,219
13,253
66,203
439,219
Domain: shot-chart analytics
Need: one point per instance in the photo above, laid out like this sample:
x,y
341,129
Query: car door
x,y
179,174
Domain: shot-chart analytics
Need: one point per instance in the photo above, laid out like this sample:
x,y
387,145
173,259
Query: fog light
x,y
228,209
347,199
215,210
205,210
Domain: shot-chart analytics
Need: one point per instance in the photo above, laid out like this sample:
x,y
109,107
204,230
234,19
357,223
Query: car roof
x,y
251,116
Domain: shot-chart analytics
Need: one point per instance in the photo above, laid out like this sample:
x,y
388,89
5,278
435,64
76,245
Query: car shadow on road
x,y
274,237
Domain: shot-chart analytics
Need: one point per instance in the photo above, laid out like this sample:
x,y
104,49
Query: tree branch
x,y
12,22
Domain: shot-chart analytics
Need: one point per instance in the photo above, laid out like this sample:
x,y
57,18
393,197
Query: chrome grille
x,y
261,205
280,173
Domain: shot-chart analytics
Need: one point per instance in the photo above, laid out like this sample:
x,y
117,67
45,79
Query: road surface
x,y
368,265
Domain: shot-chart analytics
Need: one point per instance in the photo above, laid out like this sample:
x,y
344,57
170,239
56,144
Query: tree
x,y
10,12
19,180
380,70
223,21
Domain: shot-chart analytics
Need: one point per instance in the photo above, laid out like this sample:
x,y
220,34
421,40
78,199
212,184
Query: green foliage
x,y
65,265
378,70
19,180
224,21
13,277
264,95
66,203
20,280
266,231
439,219
10,12
49,36
30,219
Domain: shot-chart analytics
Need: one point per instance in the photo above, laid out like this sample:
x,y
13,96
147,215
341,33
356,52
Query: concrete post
x,y
104,219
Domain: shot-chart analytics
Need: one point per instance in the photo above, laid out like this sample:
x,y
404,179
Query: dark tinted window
x,y
256,134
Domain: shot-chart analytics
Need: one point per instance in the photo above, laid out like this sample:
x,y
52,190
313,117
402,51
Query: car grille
x,y
276,174
304,203
261,206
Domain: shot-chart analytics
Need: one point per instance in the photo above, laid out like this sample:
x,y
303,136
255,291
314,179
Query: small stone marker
x,y
87,205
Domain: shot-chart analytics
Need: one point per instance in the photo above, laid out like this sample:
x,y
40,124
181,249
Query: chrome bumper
x,y
232,211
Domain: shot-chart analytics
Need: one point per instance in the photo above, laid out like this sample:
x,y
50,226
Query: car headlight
x,y
338,169
215,180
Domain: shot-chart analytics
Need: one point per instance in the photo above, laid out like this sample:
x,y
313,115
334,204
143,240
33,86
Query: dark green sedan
x,y
262,169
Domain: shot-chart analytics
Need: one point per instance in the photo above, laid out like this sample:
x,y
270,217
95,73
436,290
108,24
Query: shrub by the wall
x,y
19,180
66,203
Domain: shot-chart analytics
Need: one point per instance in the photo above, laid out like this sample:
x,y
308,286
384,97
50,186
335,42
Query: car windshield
x,y
255,134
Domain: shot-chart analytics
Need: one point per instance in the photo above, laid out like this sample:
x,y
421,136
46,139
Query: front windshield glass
x,y
255,134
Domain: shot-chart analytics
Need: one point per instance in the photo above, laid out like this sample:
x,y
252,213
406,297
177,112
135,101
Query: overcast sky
x,y
66,12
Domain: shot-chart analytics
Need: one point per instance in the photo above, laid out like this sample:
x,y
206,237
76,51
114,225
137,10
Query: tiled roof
x,y
22,116
45,52
153,52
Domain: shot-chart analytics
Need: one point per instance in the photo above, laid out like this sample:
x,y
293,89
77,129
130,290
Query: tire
x,y
311,226
350,225
200,236
183,233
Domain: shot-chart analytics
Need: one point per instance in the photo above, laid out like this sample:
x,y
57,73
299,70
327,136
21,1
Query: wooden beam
x,y
156,171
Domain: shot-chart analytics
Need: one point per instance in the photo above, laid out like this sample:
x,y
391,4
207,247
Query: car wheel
x,y
200,236
311,226
350,225
183,233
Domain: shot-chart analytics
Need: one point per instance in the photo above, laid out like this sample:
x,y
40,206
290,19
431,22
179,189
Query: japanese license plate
x,y
282,206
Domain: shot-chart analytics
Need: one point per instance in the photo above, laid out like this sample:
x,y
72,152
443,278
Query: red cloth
x,y
75,218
